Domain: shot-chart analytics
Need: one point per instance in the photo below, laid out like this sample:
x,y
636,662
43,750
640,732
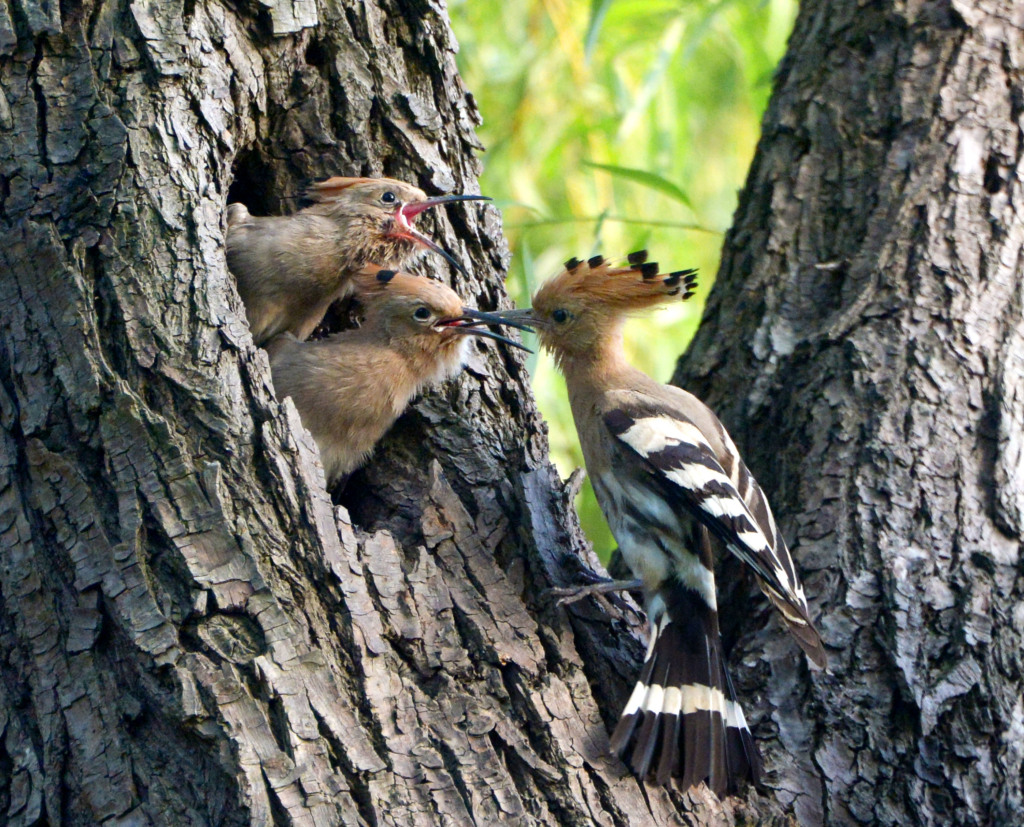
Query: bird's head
x,y
386,209
423,316
584,306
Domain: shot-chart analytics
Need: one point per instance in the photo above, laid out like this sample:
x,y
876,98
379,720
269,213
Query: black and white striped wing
x,y
672,448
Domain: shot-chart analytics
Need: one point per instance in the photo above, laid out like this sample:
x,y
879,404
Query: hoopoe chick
x,y
350,387
290,268
666,475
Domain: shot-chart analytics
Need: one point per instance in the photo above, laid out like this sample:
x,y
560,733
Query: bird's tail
x,y
682,719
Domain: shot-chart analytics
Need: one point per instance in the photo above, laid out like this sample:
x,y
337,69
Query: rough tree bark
x,y
865,344
192,632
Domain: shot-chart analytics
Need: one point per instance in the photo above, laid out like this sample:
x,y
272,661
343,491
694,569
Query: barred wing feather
x,y
672,448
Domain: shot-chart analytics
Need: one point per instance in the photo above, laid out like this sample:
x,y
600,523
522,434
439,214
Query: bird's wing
x,y
660,443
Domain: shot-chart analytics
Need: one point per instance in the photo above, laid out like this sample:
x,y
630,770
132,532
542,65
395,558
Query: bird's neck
x,y
601,367
432,361
359,238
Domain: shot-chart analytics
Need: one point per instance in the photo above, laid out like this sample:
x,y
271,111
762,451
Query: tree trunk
x,y
865,345
193,633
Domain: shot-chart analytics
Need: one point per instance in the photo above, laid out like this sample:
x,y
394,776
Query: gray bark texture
x,y
864,343
192,633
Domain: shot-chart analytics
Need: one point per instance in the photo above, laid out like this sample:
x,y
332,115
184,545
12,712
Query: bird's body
x,y
620,387
325,377
351,387
291,268
311,249
667,476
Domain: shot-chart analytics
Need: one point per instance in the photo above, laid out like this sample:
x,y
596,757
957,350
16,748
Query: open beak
x,y
466,325
410,211
403,229
405,215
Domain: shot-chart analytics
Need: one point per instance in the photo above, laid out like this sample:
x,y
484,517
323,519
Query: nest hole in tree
x,y
252,184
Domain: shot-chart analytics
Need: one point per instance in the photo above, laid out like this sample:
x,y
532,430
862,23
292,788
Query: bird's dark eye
x,y
389,197
560,316
422,313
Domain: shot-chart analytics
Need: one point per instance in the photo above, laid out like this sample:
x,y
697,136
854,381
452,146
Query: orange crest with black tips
x,y
596,285
579,313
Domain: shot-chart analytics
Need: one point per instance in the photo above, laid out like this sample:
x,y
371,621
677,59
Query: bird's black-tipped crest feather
x,y
649,270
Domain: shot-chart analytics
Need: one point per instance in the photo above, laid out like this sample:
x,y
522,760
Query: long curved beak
x,y
412,210
522,317
405,215
411,233
466,325
502,317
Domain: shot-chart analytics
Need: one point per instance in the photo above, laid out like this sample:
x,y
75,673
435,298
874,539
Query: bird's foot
x,y
571,594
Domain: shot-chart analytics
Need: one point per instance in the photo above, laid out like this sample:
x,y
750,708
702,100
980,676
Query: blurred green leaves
x,y
613,125
598,10
648,179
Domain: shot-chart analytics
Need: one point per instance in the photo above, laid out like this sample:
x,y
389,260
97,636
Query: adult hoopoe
x,y
350,387
667,476
290,268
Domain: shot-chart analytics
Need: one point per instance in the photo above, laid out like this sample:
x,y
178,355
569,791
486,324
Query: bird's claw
x,y
571,594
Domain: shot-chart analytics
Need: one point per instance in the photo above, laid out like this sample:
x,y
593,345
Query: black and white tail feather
x,y
682,719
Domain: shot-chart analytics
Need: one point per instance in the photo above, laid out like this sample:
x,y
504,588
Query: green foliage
x,y
610,126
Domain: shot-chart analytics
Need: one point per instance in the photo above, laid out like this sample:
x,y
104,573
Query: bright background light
x,y
611,127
